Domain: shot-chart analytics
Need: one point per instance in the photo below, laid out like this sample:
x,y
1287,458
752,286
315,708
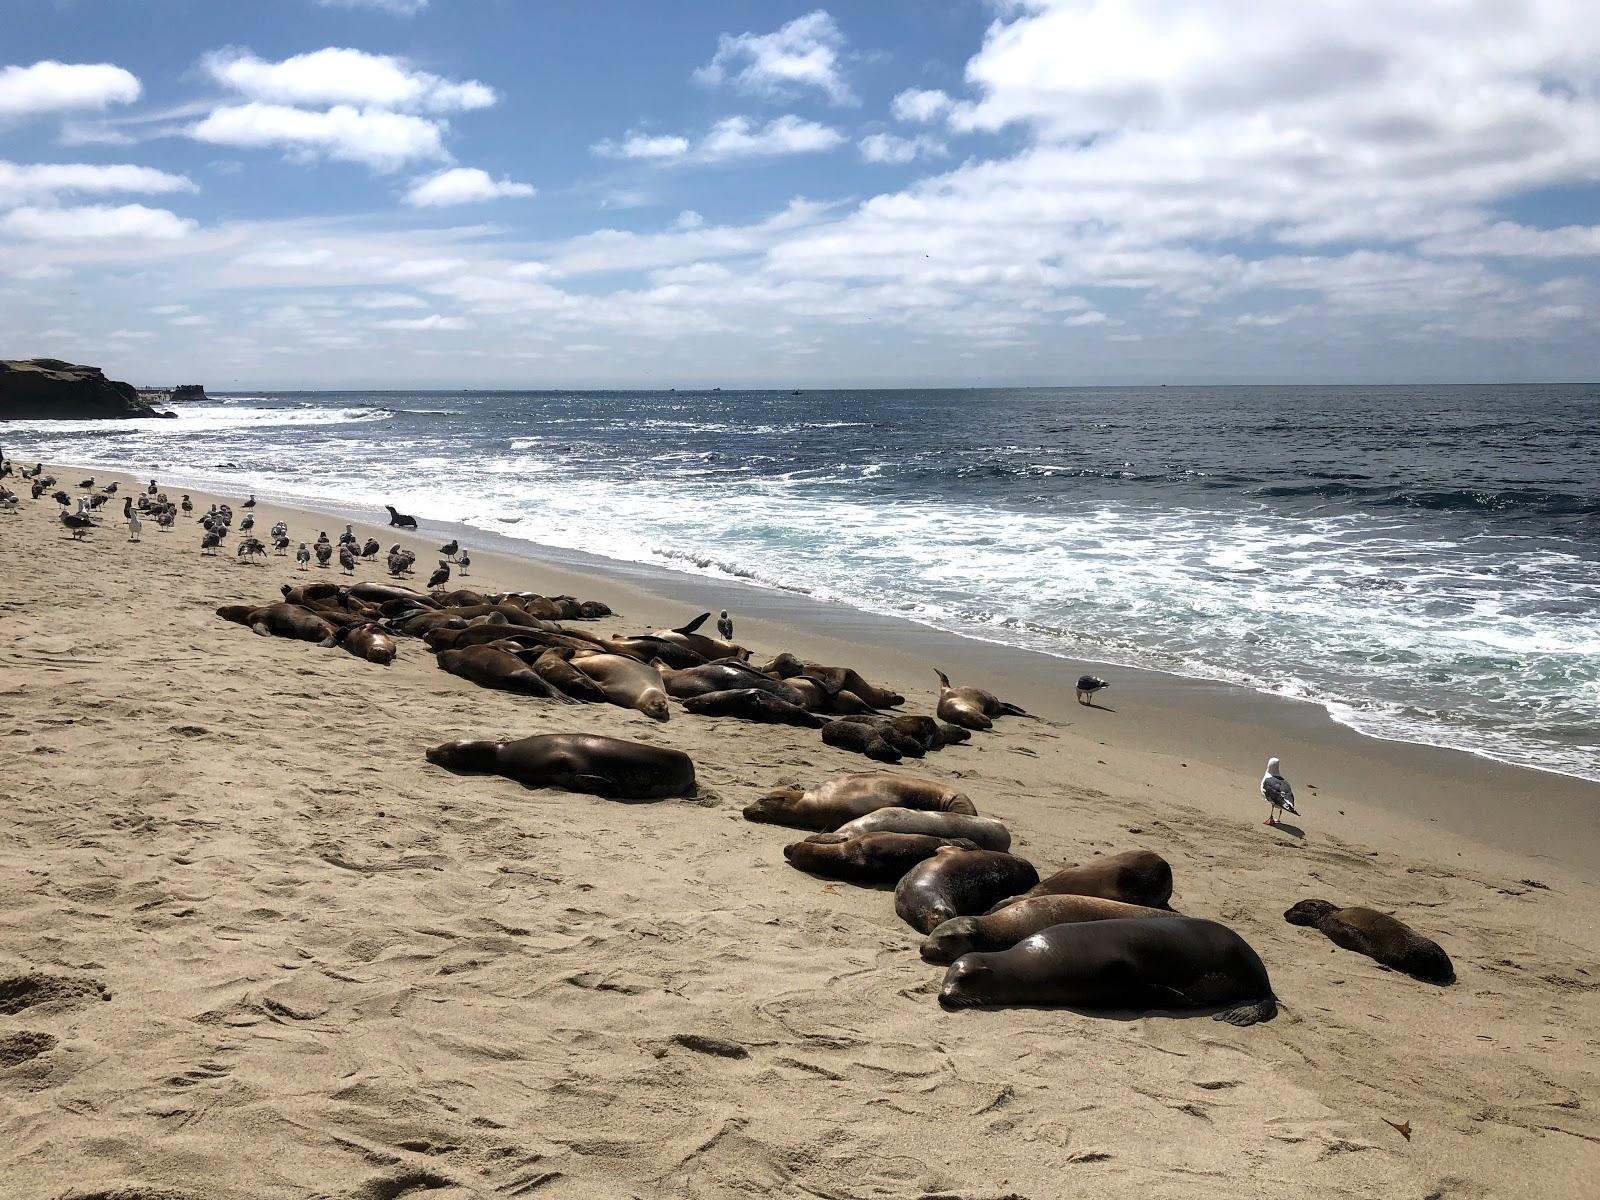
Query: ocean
x,y
1423,561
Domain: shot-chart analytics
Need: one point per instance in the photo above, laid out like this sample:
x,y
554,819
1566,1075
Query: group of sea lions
x,y
1100,935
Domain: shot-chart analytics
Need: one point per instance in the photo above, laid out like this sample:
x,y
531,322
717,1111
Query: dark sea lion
x,y
846,797
955,882
403,520
1010,923
578,762
647,648
425,620
627,683
707,647
491,667
818,697
370,642
752,704
970,707
869,740
553,663
462,596
1380,937
311,593
724,677
239,614
787,665
1134,877
289,621
377,593
867,857
984,832
1134,965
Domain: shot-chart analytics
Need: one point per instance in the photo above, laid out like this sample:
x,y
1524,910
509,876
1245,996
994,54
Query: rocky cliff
x,y
49,389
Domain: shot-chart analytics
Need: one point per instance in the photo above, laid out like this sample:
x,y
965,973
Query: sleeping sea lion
x,y
724,677
752,704
846,797
285,621
1125,965
957,882
970,707
985,832
578,762
370,642
554,664
707,647
1134,877
1380,937
1010,923
491,667
840,678
818,697
866,857
627,682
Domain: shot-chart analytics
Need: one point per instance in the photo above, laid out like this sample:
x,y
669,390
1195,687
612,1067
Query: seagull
x,y
348,537
61,498
281,529
188,504
79,523
251,548
442,575
87,483
152,487
324,553
347,560
110,489
370,548
210,542
167,518
250,503
463,563
134,526
449,549
280,544
1278,794
1088,685
302,556
249,523
127,508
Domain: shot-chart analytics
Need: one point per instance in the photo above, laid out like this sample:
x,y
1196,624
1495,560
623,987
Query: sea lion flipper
x,y
597,785
1013,710
944,680
694,624
1250,1014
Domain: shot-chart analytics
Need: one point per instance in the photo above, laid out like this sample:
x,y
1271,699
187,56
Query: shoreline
x,y
1389,789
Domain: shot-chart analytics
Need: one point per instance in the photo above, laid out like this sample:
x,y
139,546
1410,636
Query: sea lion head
x,y
239,614
950,940
784,666
464,755
798,850
774,806
655,707
969,983
1309,912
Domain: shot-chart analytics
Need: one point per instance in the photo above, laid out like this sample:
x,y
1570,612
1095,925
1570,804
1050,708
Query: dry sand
x,y
253,945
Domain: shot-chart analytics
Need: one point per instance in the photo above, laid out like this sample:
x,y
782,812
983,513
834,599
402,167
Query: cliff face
x,y
48,389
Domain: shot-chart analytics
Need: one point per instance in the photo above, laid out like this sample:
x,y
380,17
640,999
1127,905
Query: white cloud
x,y
462,185
388,300
395,8
427,324
31,183
41,273
51,86
94,222
920,105
737,137
338,75
890,148
384,141
641,145
804,54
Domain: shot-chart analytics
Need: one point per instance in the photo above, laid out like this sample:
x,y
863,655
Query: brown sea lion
x,y
888,737
752,704
578,762
377,593
1380,937
707,647
627,682
286,621
867,857
310,593
970,707
955,883
818,697
841,678
370,642
1134,877
1127,965
491,667
985,832
846,797
555,665
1009,924
724,677
424,620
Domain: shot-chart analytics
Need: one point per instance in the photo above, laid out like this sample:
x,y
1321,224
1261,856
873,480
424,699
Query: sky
x,y
504,193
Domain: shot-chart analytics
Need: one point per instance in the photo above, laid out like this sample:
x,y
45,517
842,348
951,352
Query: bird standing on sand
x,y
209,543
134,525
348,537
725,626
449,549
1088,685
152,487
188,504
249,523
347,561
1278,794
250,503
87,483
442,575
462,563
281,529
302,556
324,553
280,544
370,548
79,523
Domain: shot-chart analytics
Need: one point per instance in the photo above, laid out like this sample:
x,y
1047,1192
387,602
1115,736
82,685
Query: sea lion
x,y
707,647
403,520
867,857
840,678
846,797
970,707
627,683
956,882
647,648
422,621
818,697
1009,924
1134,877
553,663
370,642
491,667
1379,936
724,677
752,704
377,593
312,593
285,621
1123,965
985,832
889,737
578,762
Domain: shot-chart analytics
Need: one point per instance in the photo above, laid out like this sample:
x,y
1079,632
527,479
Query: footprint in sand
x,y
18,992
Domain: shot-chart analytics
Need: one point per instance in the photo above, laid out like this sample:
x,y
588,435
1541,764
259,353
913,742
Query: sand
x,y
253,945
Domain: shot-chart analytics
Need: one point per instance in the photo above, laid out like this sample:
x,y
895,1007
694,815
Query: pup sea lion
x,y
846,797
1134,877
627,683
578,762
1009,924
970,707
985,832
724,677
370,642
752,704
491,667
1136,964
867,857
1379,936
956,882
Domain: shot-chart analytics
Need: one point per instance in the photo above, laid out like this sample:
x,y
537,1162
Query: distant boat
x,y
796,392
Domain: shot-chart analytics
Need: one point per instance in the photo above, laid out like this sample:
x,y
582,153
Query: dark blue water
x,y
1424,561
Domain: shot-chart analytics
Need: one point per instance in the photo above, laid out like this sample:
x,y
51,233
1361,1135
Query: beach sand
x,y
253,945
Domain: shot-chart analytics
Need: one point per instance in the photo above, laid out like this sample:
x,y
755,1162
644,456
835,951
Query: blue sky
x,y
353,193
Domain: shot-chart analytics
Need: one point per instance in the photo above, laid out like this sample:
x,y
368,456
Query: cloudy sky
x,y
355,193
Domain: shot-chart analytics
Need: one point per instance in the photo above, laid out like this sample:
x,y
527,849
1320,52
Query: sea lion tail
x,y
1250,1014
694,624
1013,710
